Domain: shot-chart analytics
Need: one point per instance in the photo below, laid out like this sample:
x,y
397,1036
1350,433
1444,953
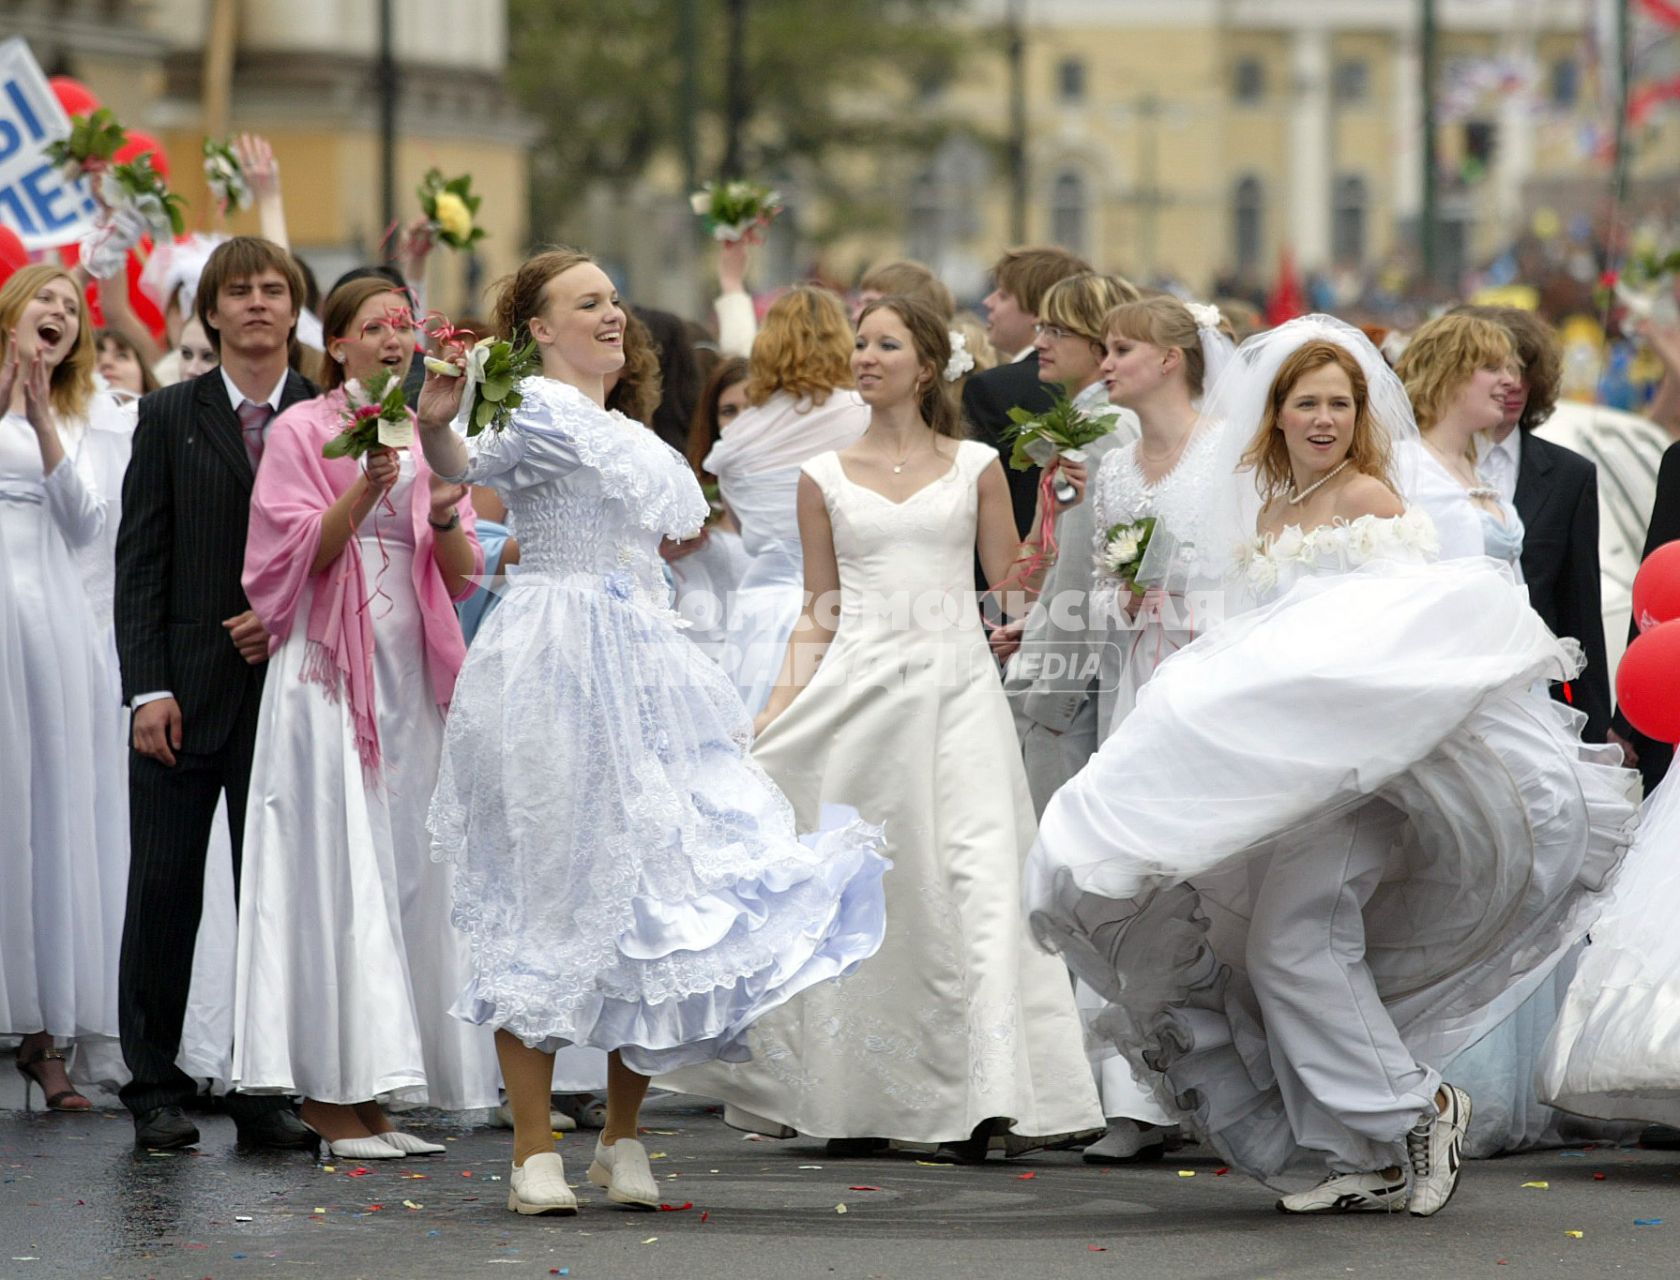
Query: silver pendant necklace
x,y
1295,499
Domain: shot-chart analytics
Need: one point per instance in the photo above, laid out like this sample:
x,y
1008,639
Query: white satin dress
x,y
959,1019
1371,724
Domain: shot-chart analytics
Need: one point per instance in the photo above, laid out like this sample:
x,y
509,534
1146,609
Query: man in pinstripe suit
x,y
193,656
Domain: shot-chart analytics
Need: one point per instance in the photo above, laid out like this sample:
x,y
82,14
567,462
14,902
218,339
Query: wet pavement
x,y
77,1201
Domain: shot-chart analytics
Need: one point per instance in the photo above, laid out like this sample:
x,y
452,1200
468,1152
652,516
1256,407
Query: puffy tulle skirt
x,y
627,877
1615,1051
1413,686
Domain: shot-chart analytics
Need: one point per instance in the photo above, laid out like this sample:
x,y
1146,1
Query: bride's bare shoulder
x,y
1367,496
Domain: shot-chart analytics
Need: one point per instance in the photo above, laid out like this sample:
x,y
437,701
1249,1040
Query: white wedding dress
x,y
959,1019
347,963
65,863
625,874
1373,690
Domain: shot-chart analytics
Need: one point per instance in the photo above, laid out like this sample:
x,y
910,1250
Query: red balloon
x,y
1648,682
74,96
139,144
12,253
1656,587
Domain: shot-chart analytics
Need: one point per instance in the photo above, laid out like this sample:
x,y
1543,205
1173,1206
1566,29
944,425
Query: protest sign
x,y
35,200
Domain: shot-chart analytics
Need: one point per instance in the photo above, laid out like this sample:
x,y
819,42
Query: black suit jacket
x,y
987,399
181,554
1557,498
1655,757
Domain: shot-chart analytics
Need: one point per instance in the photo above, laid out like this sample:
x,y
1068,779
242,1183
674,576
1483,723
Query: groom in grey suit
x,y
1060,681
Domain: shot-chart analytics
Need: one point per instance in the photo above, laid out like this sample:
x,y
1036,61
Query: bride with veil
x,y
1333,840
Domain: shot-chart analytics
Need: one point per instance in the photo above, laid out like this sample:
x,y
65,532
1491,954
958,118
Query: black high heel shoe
x,y
65,1099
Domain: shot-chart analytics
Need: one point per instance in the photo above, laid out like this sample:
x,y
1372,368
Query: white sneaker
x,y
363,1149
1433,1148
539,1186
623,1170
1350,1193
751,1122
1128,1142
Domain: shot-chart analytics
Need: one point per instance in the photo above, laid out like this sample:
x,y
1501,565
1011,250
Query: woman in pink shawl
x,y
347,960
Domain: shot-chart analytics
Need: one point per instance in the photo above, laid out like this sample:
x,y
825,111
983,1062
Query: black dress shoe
x,y
278,1129
164,1129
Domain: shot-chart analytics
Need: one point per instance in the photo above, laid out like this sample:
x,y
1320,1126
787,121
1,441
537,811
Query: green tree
x,y
604,79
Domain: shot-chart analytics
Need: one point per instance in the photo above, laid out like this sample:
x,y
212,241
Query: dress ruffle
x,y
1393,684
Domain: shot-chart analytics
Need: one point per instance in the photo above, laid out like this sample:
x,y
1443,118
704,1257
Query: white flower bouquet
x,y
736,210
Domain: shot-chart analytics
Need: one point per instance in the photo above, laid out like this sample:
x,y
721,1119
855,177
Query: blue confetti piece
x,y
1647,1222
239,1256
1573,1155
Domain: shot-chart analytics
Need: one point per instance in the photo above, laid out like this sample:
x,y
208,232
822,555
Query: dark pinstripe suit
x,y
180,554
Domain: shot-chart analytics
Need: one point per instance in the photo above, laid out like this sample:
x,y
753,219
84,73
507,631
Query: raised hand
x,y
732,265
37,392
1073,474
256,157
440,395
9,373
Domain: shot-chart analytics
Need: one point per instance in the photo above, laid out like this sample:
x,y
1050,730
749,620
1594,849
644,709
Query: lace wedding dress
x,y
626,875
959,1019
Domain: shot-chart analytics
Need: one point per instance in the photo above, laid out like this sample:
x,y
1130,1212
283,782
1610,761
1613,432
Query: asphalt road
x,y
77,1201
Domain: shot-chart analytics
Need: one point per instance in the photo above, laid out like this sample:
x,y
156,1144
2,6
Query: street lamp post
x,y
387,130
1429,52
1015,50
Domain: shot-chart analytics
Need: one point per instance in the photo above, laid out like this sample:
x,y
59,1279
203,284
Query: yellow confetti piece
x,y
650,1239
1574,1235
409,1204
839,1208
1187,1173
935,1164
658,1155
558,1136
317,1209
329,1168
1539,1186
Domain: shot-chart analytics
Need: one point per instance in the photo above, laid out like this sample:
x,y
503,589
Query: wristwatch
x,y
454,522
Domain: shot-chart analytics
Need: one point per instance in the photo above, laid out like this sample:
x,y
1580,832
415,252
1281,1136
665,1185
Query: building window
x,y
1347,226
1248,207
1070,213
1070,80
1248,80
1565,83
1352,81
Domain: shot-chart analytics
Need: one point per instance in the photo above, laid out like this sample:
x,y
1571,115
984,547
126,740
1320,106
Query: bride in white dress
x,y
960,1025
800,403
1458,370
626,876
1328,840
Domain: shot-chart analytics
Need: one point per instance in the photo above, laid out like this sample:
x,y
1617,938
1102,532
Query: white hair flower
x,y
1204,314
961,361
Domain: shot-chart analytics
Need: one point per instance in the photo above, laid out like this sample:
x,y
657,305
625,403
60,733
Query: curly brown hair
x,y
636,386
804,348
1268,452
1443,355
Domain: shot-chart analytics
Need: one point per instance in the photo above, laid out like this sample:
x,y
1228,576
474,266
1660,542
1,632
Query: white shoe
x,y
539,1186
409,1145
1350,1193
740,1118
623,1170
363,1149
1128,1142
1434,1149
558,1121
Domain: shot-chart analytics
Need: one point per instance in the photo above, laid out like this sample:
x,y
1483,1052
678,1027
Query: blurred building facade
x,y
305,75
1204,138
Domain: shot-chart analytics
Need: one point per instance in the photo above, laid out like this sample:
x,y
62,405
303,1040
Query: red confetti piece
x,y
704,1214
1096,1248
1221,1172
466,1173
375,1208
863,1188
358,1173
1022,1177
1600,1177
676,1208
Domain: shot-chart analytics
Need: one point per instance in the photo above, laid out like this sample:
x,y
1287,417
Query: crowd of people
x,y
1247,775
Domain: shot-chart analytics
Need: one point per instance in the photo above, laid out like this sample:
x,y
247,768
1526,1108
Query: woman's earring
x,y
338,356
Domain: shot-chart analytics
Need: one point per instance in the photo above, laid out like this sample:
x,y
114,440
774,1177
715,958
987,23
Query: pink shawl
x,y
294,487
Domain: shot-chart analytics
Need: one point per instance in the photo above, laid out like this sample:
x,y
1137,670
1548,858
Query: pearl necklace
x,y
1295,499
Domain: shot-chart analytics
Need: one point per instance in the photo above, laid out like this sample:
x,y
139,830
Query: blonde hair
x,y
804,348
1268,452
1443,355
72,380
1080,304
1162,321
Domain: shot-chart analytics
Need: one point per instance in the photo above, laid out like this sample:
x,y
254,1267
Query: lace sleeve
x,y
540,444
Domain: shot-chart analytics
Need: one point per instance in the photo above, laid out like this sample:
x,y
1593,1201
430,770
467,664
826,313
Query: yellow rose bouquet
x,y
452,207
